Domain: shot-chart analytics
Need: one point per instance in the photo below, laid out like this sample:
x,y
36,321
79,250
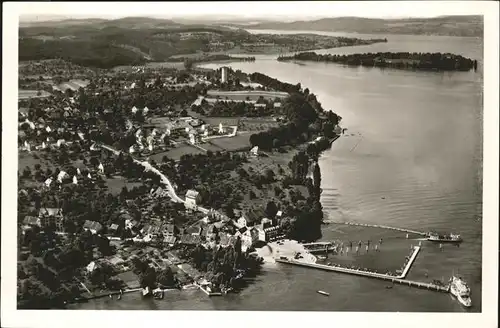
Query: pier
x,y
368,274
319,247
206,291
381,227
400,279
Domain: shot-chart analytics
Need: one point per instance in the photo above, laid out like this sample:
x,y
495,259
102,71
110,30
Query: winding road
x,y
148,167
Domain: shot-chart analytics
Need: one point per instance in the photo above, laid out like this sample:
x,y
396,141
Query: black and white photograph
x,y
313,158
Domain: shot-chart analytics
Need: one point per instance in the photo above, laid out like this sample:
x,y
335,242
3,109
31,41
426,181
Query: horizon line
x,y
55,18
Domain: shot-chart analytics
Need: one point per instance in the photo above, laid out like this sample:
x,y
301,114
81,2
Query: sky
x,y
264,10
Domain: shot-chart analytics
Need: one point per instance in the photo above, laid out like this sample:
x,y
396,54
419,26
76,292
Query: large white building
x,y
224,74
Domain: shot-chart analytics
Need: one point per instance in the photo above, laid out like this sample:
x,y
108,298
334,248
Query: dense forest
x,y
92,54
399,60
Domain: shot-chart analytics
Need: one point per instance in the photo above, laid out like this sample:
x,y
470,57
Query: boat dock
x,y
380,226
319,247
394,279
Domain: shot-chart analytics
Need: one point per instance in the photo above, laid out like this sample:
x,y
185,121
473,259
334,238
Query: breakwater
x,y
380,226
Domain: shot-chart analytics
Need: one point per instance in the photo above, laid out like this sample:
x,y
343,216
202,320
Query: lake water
x,y
411,157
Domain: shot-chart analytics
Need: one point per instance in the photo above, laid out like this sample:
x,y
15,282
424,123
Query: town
x,y
151,178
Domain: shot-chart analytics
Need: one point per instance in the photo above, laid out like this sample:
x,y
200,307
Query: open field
x,y
176,153
257,124
73,85
211,147
238,142
226,121
33,158
252,95
116,183
26,94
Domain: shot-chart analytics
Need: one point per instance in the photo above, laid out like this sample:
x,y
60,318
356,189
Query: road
x,y
148,167
170,188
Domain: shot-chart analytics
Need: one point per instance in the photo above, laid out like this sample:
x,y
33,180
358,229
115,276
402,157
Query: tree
x,y
139,265
27,172
312,150
269,176
184,113
271,210
166,277
188,64
229,210
316,176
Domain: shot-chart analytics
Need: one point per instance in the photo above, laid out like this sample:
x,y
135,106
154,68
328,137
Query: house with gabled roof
x,y
51,217
192,198
251,217
171,230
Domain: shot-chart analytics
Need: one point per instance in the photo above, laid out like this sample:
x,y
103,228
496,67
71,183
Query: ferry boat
x,y
323,293
460,289
450,238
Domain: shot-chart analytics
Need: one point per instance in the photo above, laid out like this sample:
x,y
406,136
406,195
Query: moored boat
x,y
158,293
146,292
449,238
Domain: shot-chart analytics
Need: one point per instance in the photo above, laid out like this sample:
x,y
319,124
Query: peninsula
x,y
160,178
398,60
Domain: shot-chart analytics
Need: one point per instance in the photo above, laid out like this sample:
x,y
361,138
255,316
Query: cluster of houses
x,y
54,217
251,226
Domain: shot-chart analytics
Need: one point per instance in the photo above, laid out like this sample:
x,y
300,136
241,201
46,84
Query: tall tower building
x,y
224,74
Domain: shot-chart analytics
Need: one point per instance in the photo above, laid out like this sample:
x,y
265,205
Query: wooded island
x,y
400,60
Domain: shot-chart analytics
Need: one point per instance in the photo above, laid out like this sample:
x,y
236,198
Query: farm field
x,y
257,124
26,94
226,121
232,143
176,153
73,85
211,147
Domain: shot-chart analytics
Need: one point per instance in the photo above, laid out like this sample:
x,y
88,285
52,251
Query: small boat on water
x,y
449,238
323,293
146,292
158,294
119,297
388,287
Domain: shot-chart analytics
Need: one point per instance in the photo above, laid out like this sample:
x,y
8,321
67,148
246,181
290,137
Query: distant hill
x,y
97,23
444,25
108,43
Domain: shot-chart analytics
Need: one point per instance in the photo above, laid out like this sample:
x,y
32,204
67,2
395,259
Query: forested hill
x,y
127,41
445,25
